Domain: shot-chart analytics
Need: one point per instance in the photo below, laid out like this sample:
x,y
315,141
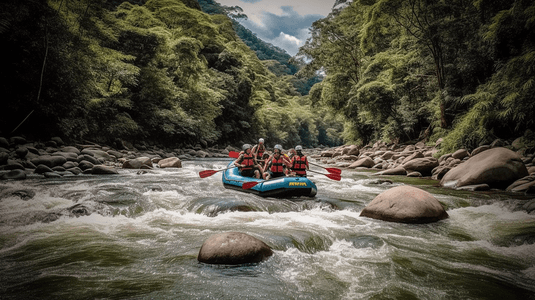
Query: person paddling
x,y
259,150
299,162
246,164
275,165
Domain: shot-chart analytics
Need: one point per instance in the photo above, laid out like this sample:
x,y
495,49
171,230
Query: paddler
x,y
299,162
259,150
246,163
275,164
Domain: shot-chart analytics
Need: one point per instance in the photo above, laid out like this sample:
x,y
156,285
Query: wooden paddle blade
x,y
233,154
207,173
249,184
334,170
336,177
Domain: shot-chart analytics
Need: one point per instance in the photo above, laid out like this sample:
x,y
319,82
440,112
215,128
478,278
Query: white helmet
x,y
261,140
278,147
298,148
246,146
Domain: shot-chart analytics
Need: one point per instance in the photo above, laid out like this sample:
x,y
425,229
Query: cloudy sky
x,y
283,23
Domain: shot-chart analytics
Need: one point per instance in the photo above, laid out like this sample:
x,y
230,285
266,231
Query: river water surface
x,y
137,236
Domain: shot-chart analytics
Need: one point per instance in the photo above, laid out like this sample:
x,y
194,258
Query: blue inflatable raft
x,y
278,187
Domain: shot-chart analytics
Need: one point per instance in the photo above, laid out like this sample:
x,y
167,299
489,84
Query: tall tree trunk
x,y
436,51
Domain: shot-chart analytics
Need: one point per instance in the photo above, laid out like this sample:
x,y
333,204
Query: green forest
x,y
184,72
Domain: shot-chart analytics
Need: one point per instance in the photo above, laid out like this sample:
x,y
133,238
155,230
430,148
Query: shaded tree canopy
x,y
420,69
185,72
161,71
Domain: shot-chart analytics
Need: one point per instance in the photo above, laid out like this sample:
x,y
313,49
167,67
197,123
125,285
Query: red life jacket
x,y
247,161
277,165
299,165
260,151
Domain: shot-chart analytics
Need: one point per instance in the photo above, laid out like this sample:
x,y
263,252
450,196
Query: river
x,y
137,236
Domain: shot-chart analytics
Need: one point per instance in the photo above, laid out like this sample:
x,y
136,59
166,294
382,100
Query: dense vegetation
x,y
175,72
161,72
423,69
276,59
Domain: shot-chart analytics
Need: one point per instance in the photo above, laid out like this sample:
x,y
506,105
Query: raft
x,y
281,187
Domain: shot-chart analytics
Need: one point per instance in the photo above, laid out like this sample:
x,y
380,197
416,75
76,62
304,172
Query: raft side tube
x,y
277,187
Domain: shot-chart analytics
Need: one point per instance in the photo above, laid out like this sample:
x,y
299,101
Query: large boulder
x,y
138,163
15,174
497,167
117,154
171,162
21,152
460,154
405,204
49,161
85,165
233,248
88,158
103,170
351,150
4,143
18,140
415,155
388,155
3,158
480,149
70,149
423,165
327,153
69,156
97,153
41,169
365,162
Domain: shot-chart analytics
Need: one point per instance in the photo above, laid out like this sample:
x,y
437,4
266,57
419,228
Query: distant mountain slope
x,y
264,51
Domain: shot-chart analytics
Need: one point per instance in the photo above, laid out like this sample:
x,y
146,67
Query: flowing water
x,y
137,236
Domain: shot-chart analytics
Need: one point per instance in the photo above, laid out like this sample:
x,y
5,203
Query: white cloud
x,y
290,38
283,23
287,42
255,9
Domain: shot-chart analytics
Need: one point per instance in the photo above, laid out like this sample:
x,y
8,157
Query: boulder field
x,y
505,166
21,159
497,165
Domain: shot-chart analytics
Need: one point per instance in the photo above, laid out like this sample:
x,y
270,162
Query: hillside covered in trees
x,y
162,71
183,72
425,69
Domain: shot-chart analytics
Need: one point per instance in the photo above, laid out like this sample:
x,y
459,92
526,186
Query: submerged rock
x,y
233,248
405,204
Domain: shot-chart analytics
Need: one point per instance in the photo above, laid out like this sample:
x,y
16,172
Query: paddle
x,y
336,177
207,173
330,170
234,154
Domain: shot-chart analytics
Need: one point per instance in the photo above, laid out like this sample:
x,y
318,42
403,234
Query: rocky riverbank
x,y
21,159
508,168
497,165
